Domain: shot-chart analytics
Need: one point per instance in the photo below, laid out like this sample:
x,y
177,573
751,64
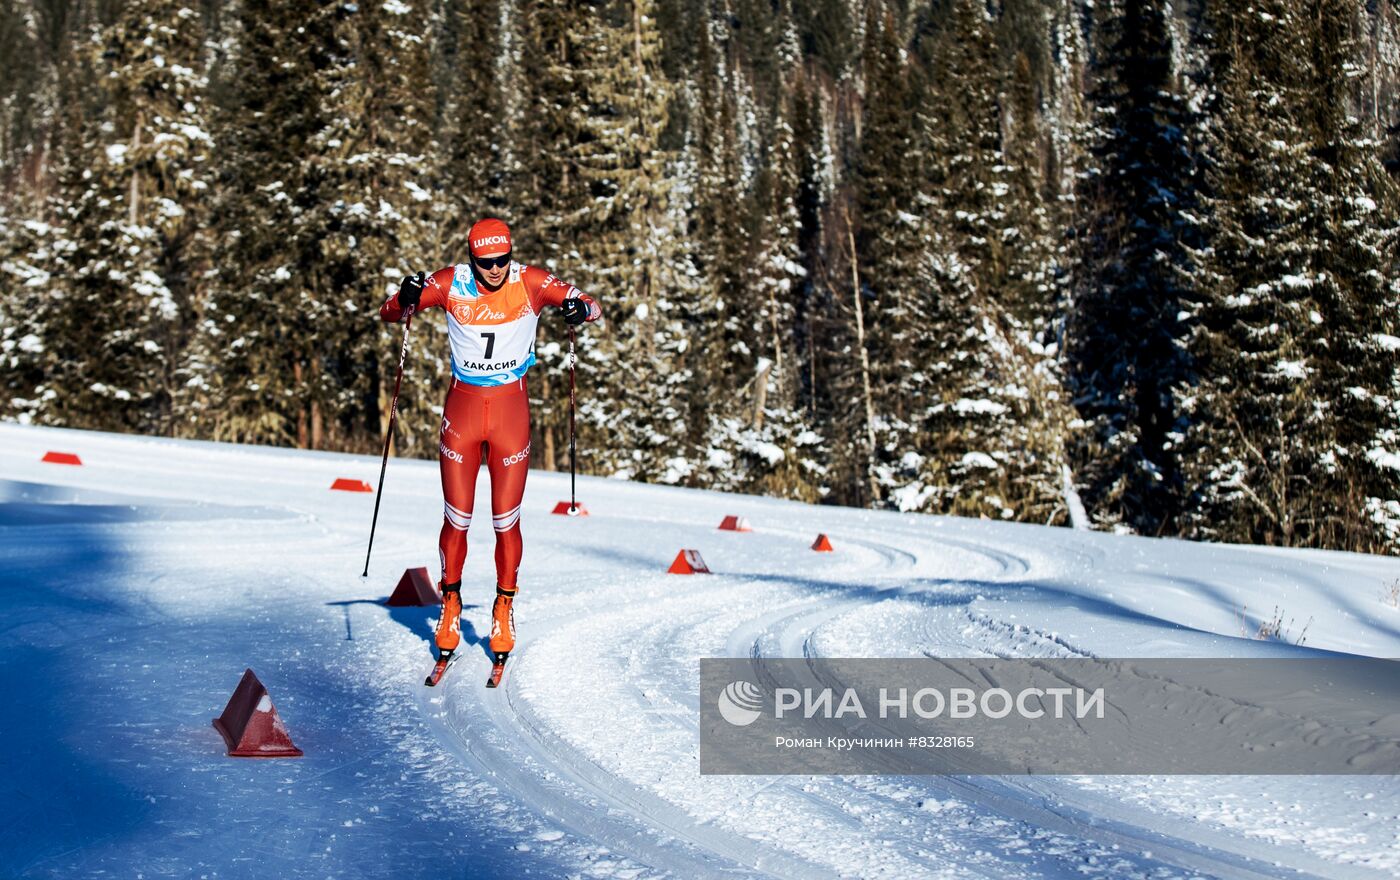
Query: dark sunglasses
x,y
488,263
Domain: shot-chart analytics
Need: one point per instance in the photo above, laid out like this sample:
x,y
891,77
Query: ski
x,y
440,668
498,669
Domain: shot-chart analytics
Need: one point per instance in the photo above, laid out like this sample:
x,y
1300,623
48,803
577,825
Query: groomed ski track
x,y
585,761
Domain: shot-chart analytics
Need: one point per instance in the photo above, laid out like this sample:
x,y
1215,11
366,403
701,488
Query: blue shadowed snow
x,y
117,655
57,795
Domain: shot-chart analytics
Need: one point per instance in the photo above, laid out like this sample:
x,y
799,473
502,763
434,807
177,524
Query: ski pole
x,y
573,502
388,435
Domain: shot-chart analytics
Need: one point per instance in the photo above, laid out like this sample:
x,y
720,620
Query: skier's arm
x,y
546,290
434,294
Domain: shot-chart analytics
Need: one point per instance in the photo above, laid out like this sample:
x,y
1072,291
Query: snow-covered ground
x,y
137,588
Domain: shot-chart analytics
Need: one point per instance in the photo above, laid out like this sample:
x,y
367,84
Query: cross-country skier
x,y
492,307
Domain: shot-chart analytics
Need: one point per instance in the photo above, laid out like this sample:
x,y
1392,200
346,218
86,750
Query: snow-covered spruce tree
x,y
630,250
1295,415
722,317
322,211
33,245
478,101
126,274
985,444
891,242
1125,347
776,451
27,261
1029,265
1355,234
754,440
811,296
375,219
255,326
546,200
836,394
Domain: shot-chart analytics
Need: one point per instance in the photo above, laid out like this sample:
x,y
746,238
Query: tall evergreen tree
x,y
323,211
254,328
751,439
1295,416
33,240
630,247
891,268
725,318
126,270
478,113
983,445
1126,340
776,449
375,215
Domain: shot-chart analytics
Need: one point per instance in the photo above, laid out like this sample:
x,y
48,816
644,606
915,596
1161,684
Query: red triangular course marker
x,y
61,458
563,508
735,524
415,588
347,485
688,562
822,544
250,724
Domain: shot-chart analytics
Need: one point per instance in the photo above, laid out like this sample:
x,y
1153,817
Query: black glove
x,y
575,311
411,291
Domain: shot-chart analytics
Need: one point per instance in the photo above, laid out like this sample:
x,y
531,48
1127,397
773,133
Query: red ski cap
x,y
489,238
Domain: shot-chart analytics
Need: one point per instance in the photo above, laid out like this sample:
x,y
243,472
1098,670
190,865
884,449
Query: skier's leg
x,y
508,449
459,460
508,445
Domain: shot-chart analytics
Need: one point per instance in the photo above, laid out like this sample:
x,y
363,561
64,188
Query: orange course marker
x,y
251,726
346,485
61,458
735,524
415,588
688,562
822,544
562,508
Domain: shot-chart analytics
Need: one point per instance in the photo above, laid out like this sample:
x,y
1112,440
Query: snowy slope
x,y
138,587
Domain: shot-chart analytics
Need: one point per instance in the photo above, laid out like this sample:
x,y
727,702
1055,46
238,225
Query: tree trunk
x,y
864,366
760,394
302,434
134,199
547,426
317,427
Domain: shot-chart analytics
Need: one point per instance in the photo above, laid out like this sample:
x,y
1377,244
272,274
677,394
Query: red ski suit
x,y
493,341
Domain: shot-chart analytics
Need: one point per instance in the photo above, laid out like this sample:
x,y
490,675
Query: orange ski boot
x,y
502,633
449,628
449,632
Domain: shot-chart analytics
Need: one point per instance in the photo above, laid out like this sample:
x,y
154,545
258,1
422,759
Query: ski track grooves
x,y
1014,801
507,740
588,799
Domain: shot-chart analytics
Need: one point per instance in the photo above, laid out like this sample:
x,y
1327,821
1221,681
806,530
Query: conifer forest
x,y
1124,263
